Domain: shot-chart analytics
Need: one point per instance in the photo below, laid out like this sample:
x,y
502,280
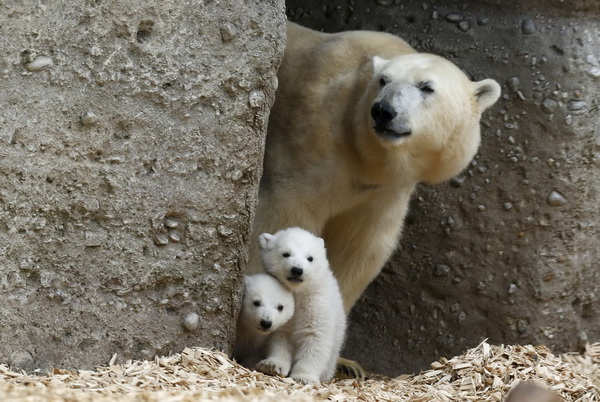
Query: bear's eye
x,y
280,307
285,255
382,81
256,303
310,259
426,87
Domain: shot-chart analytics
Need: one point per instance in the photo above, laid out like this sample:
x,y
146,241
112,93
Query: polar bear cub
x,y
310,344
267,306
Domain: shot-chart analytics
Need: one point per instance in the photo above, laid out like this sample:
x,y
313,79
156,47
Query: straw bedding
x,y
485,373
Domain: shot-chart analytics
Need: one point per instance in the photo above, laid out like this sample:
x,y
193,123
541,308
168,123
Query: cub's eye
x,y
285,255
382,81
426,87
280,307
310,259
256,303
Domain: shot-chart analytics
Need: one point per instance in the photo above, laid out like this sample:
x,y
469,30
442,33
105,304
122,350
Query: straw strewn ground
x,y
484,373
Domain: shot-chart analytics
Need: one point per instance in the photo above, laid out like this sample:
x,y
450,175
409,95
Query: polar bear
x,y
310,345
359,119
267,305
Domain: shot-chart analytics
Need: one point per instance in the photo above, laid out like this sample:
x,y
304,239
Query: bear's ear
x,y
263,240
247,280
378,64
487,93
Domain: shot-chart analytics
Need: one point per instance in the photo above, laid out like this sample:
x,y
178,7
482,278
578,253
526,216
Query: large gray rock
x,y
508,250
131,142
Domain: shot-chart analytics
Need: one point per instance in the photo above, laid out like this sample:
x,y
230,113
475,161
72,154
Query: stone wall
x,y
507,250
131,142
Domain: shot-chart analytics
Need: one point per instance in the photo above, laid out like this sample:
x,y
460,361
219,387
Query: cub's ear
x,y
247,280
263,241
378,64
487,93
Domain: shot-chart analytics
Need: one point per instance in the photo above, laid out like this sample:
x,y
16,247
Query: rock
x,y
106,209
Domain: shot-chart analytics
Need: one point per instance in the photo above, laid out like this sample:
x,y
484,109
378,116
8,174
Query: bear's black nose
x,y
382,113
297,271
266,324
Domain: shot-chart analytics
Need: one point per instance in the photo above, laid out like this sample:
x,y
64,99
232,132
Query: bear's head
x,y
294,256
426,108
267,304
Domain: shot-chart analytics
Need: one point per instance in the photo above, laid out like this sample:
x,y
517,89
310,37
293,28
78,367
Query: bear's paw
x,y
273,367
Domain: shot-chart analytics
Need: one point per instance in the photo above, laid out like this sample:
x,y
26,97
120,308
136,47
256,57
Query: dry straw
x,y
485,373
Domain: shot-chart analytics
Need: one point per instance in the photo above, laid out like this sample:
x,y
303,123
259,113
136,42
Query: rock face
x,y
131,143
509,249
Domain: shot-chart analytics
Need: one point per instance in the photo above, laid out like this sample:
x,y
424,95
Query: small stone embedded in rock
x,y
224,230
88,118
191,321
464,26
228,32
161,240
594,72
441,270
455,17
549,106
556,199
513,84
512,288
256,99
577,106
40,64
527,27
483,20
171,224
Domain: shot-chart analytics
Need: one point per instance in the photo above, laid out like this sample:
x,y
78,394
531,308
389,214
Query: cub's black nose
x,y
266,324
297,272
382,113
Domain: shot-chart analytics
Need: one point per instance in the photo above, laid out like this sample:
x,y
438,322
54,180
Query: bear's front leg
x,y
360,241
312,357
279,355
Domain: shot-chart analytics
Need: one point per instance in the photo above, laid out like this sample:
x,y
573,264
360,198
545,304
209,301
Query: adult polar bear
x,y
360,118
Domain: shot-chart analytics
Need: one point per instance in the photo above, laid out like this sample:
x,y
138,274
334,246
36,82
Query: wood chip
x,y
486,372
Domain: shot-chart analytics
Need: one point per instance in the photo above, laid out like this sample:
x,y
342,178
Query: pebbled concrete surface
x,y
131,143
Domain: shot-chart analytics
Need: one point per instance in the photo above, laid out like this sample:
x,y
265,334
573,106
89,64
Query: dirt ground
x,y
484,373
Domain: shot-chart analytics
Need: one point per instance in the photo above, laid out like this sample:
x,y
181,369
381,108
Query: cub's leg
x,y
279,355
313,353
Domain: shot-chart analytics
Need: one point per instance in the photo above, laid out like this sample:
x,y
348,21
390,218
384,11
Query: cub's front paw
x,y
272,367
304,378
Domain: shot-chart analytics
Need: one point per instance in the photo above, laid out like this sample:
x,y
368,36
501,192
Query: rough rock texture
x,y
509,249
131,142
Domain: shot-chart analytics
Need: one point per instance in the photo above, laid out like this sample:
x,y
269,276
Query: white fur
x,y
265,301
310,344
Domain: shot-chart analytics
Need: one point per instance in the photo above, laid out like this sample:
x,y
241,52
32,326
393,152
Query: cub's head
x,y
425,105
267,304
294,256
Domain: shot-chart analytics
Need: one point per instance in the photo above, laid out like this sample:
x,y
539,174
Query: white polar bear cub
x,y
311,342
267,305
